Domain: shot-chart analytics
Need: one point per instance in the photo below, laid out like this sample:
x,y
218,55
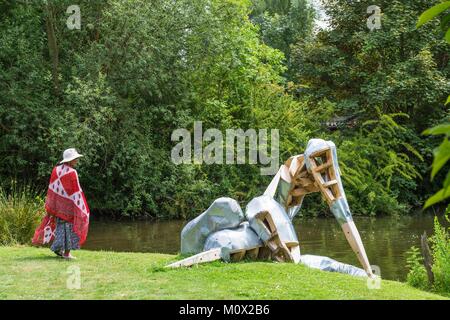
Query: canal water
x,y
386,239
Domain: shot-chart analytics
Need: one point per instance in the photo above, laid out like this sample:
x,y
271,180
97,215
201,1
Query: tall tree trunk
x,y
53,46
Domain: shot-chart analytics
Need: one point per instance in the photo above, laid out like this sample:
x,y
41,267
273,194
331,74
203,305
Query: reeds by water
x,y
21,209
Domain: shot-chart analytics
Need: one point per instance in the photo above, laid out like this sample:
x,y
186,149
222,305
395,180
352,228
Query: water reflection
x,y
386,239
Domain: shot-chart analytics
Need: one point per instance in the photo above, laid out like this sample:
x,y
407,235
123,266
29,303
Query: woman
x,y
67,219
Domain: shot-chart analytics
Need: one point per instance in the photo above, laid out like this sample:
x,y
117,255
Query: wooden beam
x,y
237,256
324,166
252,253
264,254
296,165
299,192
304,181
318,153
330,183
202,257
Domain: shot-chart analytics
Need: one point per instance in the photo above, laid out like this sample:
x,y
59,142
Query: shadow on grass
x,y
40,258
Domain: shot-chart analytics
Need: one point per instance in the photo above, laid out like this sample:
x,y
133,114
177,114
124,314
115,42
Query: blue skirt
x,y
65,238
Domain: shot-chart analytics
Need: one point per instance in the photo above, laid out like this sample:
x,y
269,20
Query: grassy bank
x,y
35,273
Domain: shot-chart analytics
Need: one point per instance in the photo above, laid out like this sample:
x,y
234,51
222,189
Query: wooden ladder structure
x,y
321,178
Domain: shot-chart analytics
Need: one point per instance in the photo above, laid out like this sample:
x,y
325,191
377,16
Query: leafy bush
x,y
441,257
376,166
440,239
441,156
21,210
441,153
440,250
357,71
417,275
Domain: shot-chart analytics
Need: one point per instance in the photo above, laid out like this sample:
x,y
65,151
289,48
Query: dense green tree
x,y
137,70
119,86
394,69
441,153
283,23
397,68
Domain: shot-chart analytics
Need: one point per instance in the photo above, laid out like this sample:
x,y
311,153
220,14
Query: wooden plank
x,y
282,254
271,245
303,173
330,183
298,192
319,153
332,176
304,181
237,256
202,257
329,189
296,201
291,244
295,252
328,195
279,250
312,188
324,166
296,165
252,253
267,220
264,254
289,199
289,161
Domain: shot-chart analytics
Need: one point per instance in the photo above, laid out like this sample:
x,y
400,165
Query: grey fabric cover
x,y
242,237
292,211
282,192
328,264
224,213
282,221
341,211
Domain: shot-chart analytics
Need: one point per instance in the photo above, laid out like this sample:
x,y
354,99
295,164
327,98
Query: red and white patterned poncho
x,y
65,200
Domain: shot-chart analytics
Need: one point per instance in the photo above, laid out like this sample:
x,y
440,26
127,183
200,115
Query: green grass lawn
x,y
36,273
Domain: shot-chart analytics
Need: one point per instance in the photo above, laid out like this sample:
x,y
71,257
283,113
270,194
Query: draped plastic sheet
x,y
328,264
224,213
280,218
240,238
279,189
222,226
292,211
315,145
284,186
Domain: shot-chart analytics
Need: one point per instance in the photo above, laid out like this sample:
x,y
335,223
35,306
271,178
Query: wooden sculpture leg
x,y
329,183
354,239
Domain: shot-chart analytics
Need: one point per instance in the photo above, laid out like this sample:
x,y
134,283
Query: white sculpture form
x,y
266,230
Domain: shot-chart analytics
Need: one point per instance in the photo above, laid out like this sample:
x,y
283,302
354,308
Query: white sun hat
x,y
70,154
